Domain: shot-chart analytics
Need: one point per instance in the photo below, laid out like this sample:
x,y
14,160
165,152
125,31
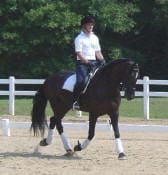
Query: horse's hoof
x,y
78,147
122,156
43,142
69,153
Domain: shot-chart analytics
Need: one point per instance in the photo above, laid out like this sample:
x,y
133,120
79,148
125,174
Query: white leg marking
x,y
118,146
85,144
65,142
51,133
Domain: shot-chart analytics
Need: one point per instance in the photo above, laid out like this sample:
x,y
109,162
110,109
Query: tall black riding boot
x,y
76,97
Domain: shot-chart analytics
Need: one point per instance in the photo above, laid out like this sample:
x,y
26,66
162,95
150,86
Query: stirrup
x,y
76,106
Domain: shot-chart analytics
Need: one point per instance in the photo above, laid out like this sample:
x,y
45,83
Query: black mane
x,y
113,63
117,61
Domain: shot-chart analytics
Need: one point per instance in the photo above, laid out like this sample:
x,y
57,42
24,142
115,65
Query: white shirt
x,y
87,45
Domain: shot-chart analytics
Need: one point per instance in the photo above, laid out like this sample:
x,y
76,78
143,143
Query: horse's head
x,y
130,79
121,70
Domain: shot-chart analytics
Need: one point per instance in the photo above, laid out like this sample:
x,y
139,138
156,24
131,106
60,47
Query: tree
x,y
36,37
150,37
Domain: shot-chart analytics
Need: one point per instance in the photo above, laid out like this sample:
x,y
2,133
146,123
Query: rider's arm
x,y
99,55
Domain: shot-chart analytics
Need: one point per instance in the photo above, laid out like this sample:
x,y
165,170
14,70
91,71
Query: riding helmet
x,y
87,19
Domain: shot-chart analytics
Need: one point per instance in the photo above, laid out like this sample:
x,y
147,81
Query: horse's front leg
x,y
91,133
118,143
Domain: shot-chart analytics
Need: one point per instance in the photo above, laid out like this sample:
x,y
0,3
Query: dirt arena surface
x,y
147,154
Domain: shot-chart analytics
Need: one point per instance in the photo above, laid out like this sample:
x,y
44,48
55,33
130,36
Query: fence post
x,y
79,113
6,127
146,97
12,95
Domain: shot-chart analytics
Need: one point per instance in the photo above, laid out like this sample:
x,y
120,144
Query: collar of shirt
x,y
85,34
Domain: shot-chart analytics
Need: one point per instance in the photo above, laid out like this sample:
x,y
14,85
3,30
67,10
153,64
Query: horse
x,y
101,97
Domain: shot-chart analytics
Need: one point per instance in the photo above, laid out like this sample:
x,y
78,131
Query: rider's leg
x,y
81,73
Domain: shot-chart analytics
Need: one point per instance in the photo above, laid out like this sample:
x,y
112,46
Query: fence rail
x,y
145,82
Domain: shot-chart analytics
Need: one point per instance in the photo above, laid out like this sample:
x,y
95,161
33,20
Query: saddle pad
x,y
69,83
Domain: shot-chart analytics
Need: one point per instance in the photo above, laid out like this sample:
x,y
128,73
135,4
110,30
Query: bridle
x,y
130,81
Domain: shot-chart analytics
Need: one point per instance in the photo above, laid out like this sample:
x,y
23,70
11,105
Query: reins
x,y
91,75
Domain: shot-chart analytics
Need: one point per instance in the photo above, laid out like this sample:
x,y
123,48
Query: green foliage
x,y
115,16
37,35
150,37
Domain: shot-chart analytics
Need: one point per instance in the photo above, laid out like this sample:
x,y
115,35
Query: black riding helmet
x,y
87,19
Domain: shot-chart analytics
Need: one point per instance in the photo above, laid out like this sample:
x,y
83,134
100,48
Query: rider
x,y
88,54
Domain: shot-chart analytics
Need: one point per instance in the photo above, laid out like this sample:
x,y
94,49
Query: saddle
x,y
70,82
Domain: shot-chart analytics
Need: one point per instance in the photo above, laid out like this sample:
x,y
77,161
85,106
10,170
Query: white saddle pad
x,y
69,83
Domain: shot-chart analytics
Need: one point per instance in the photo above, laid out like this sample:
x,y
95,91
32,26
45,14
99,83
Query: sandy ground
x,y
147,154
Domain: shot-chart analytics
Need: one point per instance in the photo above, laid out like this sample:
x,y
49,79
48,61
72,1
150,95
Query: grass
x,y
134,108
158,108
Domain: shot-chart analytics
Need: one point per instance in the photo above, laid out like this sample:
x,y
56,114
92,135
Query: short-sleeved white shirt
x,y
87,45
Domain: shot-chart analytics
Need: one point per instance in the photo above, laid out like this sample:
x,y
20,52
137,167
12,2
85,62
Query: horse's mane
x,y
117,61
113,63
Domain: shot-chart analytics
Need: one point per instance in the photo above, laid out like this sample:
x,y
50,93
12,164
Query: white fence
x,y
145,82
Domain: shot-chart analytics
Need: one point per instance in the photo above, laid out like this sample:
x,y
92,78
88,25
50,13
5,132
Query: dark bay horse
x,y
101,97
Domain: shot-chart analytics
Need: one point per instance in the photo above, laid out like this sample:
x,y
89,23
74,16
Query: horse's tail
x,y
39,121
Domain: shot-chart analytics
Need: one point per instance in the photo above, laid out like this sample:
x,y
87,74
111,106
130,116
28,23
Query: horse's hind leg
x,y
60,109
64,139
118,143
51,133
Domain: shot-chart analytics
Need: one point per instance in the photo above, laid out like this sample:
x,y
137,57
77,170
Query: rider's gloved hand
x,y
91,64
101,62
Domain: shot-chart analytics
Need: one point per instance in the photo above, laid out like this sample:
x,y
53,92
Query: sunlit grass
x,y
134,108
